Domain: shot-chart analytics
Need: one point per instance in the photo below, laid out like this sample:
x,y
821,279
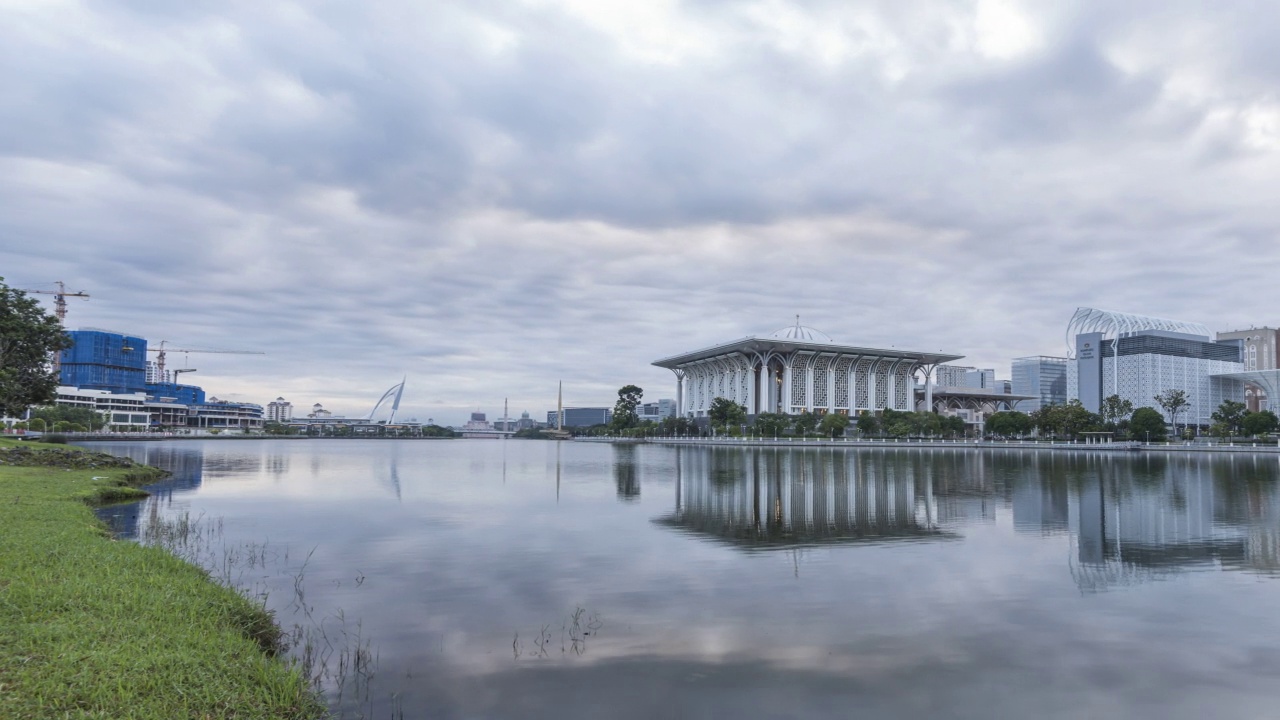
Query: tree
x,y
1008,423
867,424
1229,414
1114,410
624,411
772,424
37,424
28,337
1260,423
83,416
1065,420
833,424
1172,402
805,423
1147,424
725,413
677,426
954,425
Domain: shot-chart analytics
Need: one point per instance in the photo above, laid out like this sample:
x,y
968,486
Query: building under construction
x,y
107,372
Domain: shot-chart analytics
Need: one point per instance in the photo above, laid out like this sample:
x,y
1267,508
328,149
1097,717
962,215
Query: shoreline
x,y
96,626
1124,448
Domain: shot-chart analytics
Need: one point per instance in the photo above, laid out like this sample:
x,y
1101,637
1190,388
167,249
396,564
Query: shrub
x,y
54,438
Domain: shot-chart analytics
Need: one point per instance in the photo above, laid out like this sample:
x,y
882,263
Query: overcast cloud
x,y
489,197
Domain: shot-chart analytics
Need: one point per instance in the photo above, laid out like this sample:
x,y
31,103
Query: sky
x,y
489,198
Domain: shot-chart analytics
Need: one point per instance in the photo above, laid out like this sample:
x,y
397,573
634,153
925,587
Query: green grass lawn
x,y
91,627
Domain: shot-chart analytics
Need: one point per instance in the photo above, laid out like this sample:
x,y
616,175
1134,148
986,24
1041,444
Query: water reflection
x,y
769,498
626,472
1129,519
768,582
1151,517
186,468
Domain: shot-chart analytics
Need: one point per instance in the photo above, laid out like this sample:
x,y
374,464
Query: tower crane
x,y
60,299
160,353
60,309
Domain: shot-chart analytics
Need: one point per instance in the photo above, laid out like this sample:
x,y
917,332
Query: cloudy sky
x,y
489,197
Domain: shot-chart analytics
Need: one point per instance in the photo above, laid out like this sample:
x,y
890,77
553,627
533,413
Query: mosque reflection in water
x,y
767,498
1128,519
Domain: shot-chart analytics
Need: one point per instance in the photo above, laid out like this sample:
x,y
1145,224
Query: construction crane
x,y
60,309
60,299
160,353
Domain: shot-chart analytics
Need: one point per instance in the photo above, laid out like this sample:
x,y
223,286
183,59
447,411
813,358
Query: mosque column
x,y
679,393
831,383
785,401
891,388
753,379
853,388
770,389
872,390
808,381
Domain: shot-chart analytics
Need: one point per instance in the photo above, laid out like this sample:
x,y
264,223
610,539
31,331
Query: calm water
x,y
711,583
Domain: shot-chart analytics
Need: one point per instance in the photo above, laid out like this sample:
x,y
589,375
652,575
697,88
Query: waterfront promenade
x,y
923,444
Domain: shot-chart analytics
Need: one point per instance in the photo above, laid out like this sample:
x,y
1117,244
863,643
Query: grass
x,y
91,627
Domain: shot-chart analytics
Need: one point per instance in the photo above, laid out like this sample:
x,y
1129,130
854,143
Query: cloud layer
x,y
491,197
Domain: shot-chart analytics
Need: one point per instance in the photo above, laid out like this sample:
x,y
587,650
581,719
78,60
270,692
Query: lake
x,y
532,579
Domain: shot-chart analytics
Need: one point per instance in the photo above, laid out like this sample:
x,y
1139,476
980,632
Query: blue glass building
x,y
185,394
100,360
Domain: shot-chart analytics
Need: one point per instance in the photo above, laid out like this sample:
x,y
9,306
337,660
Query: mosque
x,y
799,369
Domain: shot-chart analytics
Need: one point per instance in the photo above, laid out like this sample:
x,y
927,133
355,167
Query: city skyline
x,y
489,199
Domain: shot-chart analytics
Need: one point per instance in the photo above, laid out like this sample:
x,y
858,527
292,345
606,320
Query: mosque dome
x,y
801,333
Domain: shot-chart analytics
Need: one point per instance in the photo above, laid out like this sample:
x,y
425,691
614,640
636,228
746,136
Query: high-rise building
x,y
1043,378
959,376
1259,348
103,360
279,410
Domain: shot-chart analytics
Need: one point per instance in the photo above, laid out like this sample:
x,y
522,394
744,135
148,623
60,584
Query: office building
x,y
958,376
1258,351
1137,358
1043,378
656,411
581,417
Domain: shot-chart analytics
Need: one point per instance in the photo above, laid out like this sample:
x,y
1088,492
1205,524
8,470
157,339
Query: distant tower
x,y
506,418
560,408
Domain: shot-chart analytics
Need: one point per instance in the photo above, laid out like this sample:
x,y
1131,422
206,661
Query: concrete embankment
x,y
91,627
963,445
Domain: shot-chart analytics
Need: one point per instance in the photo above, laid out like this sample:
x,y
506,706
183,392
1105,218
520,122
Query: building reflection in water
x,y
1150,517
767,498
626,472
1128,518
186,468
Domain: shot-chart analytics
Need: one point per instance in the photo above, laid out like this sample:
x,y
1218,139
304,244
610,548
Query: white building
x,y
959,376
799,369
1137,357
119,409
279,410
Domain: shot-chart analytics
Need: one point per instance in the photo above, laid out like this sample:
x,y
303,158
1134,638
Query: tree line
x,y
1118,417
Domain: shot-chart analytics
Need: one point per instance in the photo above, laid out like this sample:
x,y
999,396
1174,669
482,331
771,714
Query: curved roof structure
x,y
1114,324
801,333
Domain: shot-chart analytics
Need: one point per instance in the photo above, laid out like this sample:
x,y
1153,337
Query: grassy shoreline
x,y
95,628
